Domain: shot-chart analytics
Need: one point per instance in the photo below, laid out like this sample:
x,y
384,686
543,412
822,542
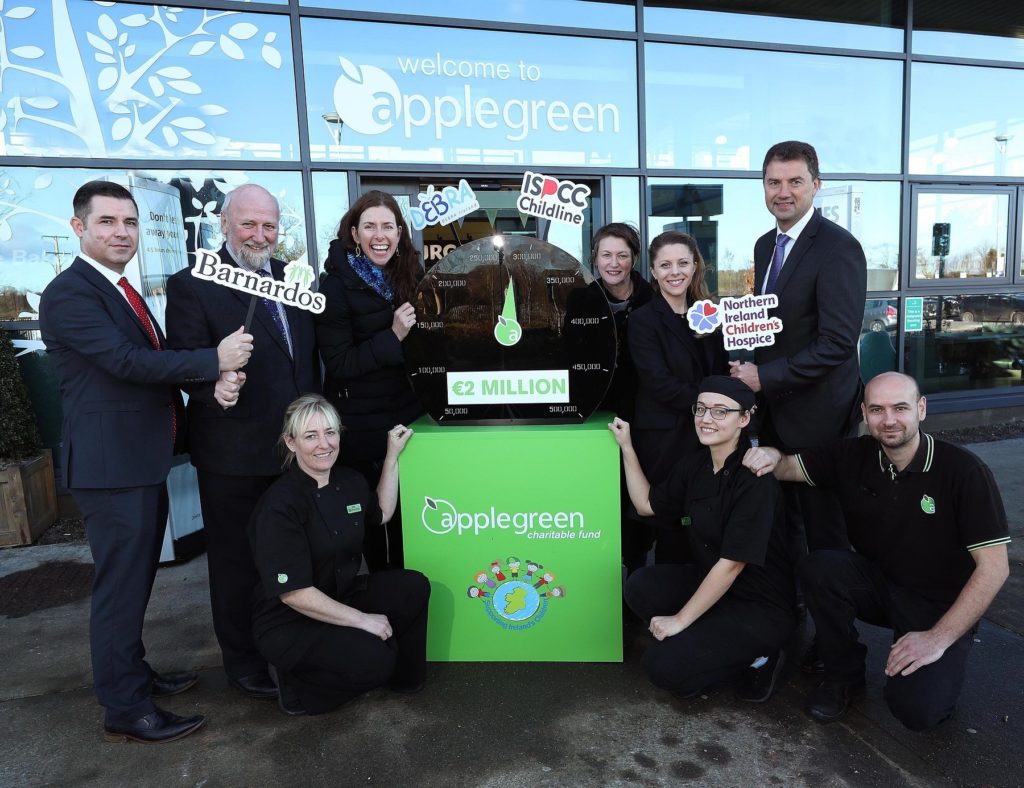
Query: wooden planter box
x,y
28,500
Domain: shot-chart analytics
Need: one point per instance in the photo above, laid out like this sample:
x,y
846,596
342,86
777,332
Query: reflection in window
x,y
178,213
961,235
978,343
712,108
986,29
145,82
485,97
727,216
876,349
568,13
330,201
961,122
850,25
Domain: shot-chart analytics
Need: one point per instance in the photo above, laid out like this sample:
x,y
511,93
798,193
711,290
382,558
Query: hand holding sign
x,y
234,350
226,390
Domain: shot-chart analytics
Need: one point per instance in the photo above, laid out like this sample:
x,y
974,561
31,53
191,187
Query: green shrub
x,y
19,438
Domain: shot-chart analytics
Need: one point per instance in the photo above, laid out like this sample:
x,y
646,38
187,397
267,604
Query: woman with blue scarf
x,y
370,282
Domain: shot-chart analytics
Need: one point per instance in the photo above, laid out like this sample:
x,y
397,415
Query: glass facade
x,y
663,109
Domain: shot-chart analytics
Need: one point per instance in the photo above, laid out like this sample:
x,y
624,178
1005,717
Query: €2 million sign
x,y
510,330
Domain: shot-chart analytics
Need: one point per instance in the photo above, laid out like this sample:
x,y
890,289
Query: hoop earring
x,y
359,250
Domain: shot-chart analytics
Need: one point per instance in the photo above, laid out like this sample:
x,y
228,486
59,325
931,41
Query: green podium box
x,y
518,530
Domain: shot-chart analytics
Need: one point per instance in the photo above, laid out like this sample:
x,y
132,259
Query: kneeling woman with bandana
x,y
714,618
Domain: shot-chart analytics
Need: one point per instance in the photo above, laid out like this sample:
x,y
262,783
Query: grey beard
x,y
253,259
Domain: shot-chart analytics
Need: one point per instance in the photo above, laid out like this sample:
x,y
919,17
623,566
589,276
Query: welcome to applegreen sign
x,y
517,528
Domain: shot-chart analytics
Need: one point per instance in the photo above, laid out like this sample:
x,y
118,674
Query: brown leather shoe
x,y
155,728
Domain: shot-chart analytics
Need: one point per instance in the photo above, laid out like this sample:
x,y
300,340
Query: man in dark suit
x,y
809,380
122,412
235,423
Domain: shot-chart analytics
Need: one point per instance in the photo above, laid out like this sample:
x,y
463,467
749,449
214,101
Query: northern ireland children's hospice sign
x,y
744,321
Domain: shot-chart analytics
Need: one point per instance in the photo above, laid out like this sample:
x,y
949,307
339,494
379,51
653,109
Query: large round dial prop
x,y
510,329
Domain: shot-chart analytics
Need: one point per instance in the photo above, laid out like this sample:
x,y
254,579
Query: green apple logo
x,y
438,515
507,330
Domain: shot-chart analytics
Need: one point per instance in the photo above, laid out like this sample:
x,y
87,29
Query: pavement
x,y
494,724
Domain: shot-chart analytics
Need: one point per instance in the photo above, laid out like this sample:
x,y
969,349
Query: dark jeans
x,y
344,662
841,586
717,646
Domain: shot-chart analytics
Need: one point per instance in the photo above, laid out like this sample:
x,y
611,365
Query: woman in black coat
x,y
671,361
370,280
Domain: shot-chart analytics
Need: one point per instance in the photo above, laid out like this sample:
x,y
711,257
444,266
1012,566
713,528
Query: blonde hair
x,y
298,415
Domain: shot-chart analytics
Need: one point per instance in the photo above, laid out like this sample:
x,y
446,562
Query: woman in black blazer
x,y
371,274
671,361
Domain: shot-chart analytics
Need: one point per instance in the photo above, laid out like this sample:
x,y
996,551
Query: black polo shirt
x,y
919,524
305,536
733,515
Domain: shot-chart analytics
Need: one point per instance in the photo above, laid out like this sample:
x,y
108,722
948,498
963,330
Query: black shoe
x,y
155,728
166,684
830,700
812,664
258,685
758,684
288,700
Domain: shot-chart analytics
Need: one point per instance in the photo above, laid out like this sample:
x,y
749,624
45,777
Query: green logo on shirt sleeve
x,y
352,508
282,578
927,504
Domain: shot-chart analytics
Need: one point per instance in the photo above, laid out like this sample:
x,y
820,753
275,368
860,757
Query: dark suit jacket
x,y
240,441
670,362
810,380
116,388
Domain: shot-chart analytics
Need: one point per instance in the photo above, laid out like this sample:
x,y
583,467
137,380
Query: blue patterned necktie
x,y
777,259
274,309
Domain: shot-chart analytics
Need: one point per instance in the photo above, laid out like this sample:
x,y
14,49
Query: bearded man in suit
x,y
235,422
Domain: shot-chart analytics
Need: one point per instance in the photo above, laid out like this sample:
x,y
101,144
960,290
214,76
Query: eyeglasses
x,y
717,413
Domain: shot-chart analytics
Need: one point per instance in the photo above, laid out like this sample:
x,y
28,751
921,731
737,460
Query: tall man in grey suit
x,y
809,380
122,413
235,422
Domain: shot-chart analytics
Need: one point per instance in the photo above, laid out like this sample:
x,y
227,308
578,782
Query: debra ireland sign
x,y
394,93
517,529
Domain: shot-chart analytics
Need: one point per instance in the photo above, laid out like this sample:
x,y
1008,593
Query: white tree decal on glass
x,y
149,108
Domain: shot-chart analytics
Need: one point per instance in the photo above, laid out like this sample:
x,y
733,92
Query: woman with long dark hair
x,y
671,361
370,280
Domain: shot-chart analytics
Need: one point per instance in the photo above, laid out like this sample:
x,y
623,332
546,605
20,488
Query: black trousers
x,y
842,586
664,534
125,528
227,503
382,544
343,662
717,646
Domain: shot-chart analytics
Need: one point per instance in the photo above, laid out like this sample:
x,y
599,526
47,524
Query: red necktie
x,y
140,311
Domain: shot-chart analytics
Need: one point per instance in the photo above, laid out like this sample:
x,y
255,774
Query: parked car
x,y
879,315
993,308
